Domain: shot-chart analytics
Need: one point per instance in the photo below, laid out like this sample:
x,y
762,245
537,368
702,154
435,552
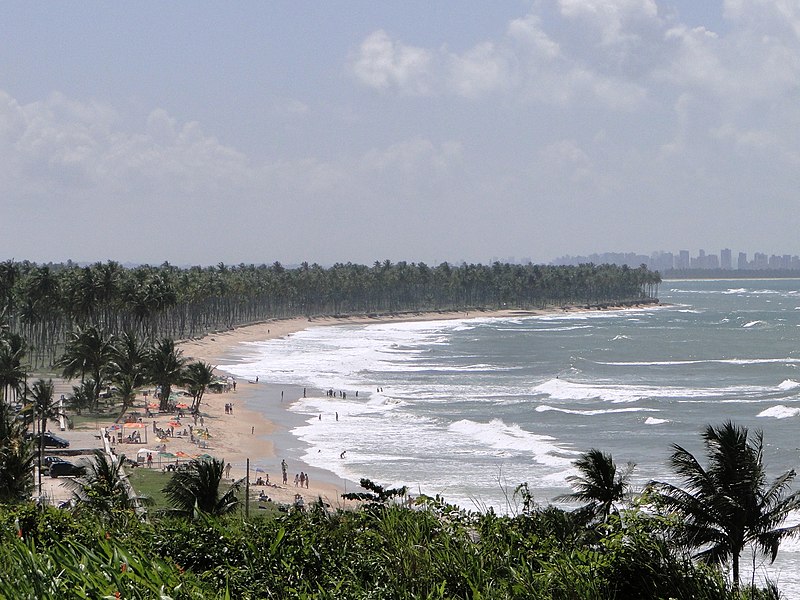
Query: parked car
x,y
50,440
48,461
62,468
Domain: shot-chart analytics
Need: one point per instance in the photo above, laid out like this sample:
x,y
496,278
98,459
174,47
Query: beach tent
x,y
141,455
136,425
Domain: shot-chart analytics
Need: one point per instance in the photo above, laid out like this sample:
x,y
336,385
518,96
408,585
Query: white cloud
x,y
528,32
526,63
611,17
382,63
412,156
482,69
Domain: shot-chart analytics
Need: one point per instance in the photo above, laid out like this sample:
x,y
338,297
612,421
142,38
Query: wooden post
x,y
247,492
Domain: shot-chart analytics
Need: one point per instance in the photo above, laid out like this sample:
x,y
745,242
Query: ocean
x,y
470,408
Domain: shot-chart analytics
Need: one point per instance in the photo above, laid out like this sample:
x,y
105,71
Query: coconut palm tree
x,y
198,377
16,459
164,367
127,368
197,488
729,504
12,372
88,351
599,484
81,398
102,489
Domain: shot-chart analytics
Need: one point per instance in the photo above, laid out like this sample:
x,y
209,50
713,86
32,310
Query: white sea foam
x,y
655,421
753,324
788,384
724,361
562,389
592,413
779,412
500,436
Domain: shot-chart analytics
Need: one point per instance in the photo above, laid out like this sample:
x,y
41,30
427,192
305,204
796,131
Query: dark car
x,y
48,461
50,440
62,468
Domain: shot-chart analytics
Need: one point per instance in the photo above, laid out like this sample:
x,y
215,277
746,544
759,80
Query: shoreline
x,y
263,406
241,439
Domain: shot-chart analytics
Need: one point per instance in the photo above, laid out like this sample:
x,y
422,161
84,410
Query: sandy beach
x,y
248,433
257,429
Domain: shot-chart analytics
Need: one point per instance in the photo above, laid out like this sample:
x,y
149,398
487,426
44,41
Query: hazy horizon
x,y
199,133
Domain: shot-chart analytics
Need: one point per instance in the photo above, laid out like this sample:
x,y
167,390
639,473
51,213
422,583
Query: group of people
x,y
134,438
264,481
301,480
229,408
333,394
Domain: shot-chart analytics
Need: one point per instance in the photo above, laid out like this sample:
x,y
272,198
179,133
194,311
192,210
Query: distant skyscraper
x,y
683,260
741,264
725,259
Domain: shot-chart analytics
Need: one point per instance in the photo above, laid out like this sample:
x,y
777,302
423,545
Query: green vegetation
x,y
383,551
150,483
50,305
728,504
388,549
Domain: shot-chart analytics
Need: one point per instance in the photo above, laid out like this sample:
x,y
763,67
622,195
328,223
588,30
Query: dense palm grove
x,y
45,302
104,325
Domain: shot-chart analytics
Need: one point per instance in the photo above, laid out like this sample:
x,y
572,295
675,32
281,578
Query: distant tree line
x,y
44,303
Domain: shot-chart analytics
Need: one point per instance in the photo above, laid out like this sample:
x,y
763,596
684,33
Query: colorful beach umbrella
x,y
182,405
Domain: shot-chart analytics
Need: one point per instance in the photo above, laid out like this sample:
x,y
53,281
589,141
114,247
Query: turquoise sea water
x,y
470,408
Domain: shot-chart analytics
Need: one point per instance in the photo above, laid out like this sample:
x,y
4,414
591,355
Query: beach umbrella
x,y
182,405
181,454
167,454
134,425
114,427
152,405
174,424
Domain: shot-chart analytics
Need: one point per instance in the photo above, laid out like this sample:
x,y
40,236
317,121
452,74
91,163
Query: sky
x,y
291,130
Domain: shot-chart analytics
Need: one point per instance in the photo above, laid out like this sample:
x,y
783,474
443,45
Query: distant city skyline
x,y
661,260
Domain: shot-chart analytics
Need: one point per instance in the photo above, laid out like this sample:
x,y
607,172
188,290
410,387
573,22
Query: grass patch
x,y
149,482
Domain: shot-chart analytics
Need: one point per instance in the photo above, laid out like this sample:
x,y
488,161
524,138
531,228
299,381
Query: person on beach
x,y
306,480
283,471
302,479
296,479
337,414
228,471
